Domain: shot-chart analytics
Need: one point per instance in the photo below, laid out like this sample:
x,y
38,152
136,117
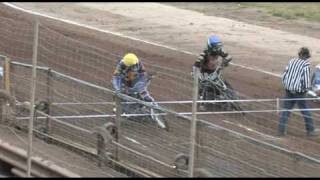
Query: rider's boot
x,y
202,106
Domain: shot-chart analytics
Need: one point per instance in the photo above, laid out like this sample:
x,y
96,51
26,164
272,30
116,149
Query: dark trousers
x,y
289,105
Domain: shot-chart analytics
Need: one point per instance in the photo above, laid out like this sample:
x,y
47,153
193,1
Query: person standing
x,y
296,82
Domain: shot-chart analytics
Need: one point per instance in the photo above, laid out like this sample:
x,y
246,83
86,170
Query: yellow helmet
x,y
130,59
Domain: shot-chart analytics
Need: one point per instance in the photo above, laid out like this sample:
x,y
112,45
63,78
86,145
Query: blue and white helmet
x,y
214,44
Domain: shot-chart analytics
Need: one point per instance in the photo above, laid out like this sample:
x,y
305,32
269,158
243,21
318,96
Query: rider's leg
x,y
228,84
147,97
126,105
202,106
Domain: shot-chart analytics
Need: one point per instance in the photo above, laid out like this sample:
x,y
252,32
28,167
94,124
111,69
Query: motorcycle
x,y
314,91
214,87
140,91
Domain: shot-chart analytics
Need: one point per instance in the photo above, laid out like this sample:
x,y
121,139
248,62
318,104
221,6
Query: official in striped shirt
x,y
296,77
296,82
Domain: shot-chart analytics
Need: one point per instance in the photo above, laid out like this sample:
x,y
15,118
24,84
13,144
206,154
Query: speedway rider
x,y
129,70
208,59
130,74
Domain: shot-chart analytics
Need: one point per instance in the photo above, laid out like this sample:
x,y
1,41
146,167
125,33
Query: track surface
x,y
248,82
251,45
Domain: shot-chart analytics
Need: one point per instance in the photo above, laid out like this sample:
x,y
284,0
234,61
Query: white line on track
x,y
251,130
132,38
135,141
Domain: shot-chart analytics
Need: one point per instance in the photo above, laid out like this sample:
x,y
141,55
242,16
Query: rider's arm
x,y
200,60
141,70
116,82
117,78
226,57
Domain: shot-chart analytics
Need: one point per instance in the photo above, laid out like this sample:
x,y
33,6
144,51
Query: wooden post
x,y
6,74
101,146
193,127
3,78
49,101
33,93
3,105
278,106
6,86
118,123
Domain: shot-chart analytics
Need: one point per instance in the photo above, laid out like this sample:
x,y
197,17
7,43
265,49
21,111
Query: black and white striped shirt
x,y
296,77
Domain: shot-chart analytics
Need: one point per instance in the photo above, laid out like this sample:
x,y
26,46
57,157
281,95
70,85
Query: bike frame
x,y
140,91
214,80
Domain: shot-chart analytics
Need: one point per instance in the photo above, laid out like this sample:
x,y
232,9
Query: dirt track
x,y
247,82
255,46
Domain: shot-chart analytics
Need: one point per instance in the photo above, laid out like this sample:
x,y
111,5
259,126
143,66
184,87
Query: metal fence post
x,y
118,123
193,127
33,93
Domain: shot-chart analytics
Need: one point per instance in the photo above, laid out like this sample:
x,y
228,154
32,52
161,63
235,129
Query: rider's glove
x,y
197,64
227,60
201,76
142,74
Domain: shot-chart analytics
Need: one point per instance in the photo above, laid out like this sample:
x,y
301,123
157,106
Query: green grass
x,y
286,10
306,11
